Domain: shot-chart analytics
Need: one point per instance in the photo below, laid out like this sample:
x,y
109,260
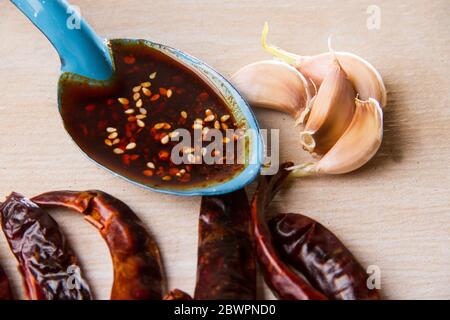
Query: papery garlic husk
x,y
365,78
274,85
356,147
331,112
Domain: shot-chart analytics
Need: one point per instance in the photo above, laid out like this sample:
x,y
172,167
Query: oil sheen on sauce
x,y
126,125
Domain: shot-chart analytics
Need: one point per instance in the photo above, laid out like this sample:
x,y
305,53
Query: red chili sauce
x,y
127,125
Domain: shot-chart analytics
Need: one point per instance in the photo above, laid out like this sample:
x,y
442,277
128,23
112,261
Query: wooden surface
x,y
394,213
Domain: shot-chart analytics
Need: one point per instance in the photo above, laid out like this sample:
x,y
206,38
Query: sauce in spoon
x,y
127,124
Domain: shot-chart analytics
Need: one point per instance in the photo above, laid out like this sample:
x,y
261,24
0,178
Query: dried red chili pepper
x,y
177,294
5,290
226,262
279,277
321,257
46,261
136,259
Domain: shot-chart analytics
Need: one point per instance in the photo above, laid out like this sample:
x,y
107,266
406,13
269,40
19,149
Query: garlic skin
x,y
356,147
274,85
331,113
365,78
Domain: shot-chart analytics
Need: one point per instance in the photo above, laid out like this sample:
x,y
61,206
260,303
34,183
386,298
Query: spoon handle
x,y
81,50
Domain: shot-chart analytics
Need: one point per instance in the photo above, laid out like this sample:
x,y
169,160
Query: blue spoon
x,y
83,52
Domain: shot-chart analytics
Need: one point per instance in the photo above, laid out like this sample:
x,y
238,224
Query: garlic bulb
x,y
331,112
356,146
365,78
337,96
274,85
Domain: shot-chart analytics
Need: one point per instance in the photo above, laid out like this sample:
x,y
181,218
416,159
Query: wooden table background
x,y
394,213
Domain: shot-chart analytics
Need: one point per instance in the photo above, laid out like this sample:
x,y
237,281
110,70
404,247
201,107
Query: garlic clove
x,y
366,79
275,85
331,113
359,143
356,147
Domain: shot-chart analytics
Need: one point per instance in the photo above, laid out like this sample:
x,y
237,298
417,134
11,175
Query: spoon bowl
x,y
83,54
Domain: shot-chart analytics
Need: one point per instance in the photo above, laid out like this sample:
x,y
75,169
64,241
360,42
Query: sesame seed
x,y
191,158
118,151
113,135
153,75
217,125
147,173
129,111
208,112
124,101
155,97
167,178
140,123
184,114
137,89
225,118
174,134
159,126
130,146
111,129
139,103
167,126
165,140
136,96
151,165
141,116
188,150
108,143
224,126
143,111
197,126
116,141
147,92
169,93
210,118
146,84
